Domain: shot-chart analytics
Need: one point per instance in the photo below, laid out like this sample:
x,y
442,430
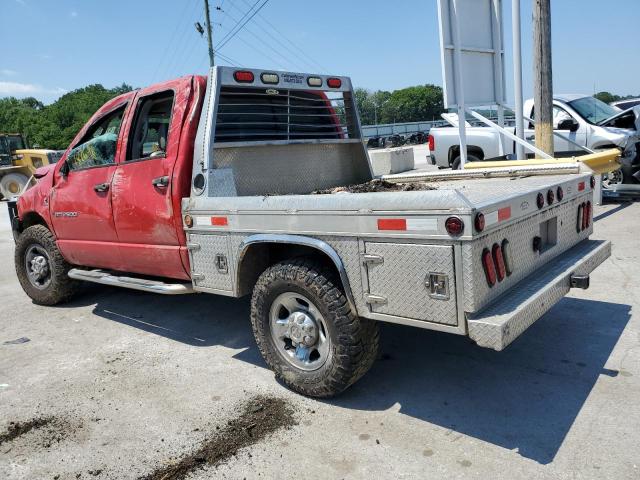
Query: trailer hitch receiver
x,y
580,281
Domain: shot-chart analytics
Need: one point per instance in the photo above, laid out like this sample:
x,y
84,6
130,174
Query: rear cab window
x,y
149,136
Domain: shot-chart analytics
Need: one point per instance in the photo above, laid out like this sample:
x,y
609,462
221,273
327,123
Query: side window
x,y
98,147
150,132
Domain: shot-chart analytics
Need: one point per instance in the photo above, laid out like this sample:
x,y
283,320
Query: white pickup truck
x,y
246,187
583,119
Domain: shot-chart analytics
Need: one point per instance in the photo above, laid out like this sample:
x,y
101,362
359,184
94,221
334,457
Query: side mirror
x,y
568,124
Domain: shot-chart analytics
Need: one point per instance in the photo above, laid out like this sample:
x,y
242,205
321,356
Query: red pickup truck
x,y
235,184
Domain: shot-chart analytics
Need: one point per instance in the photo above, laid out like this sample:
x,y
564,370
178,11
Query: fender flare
x,y
319,245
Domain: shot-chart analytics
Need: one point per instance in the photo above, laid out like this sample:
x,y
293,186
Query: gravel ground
x,y
121,384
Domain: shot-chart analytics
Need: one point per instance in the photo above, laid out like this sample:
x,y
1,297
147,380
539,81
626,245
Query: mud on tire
x,y
54,285
352,342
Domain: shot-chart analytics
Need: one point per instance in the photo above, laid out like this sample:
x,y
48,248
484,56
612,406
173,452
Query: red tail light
x,y
489,268
498,260
432,143
243,76
588,214
334,82
540,200
479,222
585,216
454,226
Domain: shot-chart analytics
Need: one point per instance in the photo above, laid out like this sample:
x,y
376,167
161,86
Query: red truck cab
x,y
113,201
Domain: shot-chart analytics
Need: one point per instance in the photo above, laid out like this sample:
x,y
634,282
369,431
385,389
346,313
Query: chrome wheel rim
x,y
612,178
38,266
299,331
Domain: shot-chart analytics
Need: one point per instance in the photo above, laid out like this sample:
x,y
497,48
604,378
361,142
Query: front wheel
x,y
41,269
307,332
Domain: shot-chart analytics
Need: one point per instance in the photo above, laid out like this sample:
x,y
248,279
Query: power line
x,y
171,41
238,22
262,42
310,61
245,22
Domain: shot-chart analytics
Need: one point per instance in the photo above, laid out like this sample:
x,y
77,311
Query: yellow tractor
x,y
17,163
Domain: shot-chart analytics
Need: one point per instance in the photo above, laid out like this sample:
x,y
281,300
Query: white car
x,y
583,119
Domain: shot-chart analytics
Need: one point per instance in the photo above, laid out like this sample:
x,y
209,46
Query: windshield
x,y
593,110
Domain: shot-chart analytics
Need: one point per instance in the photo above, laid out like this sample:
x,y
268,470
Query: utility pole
x,y
209,35
542,75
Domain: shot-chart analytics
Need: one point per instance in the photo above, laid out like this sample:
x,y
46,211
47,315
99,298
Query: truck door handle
x,y
160,182
101,187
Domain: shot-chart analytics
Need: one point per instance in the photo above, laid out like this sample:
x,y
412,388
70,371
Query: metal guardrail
x,y
407,128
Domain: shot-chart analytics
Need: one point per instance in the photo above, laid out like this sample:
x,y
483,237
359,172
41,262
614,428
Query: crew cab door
x,y
578,136
144,215
80,201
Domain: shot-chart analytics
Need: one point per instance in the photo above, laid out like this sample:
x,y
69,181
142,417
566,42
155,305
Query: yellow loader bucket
x,y
601,162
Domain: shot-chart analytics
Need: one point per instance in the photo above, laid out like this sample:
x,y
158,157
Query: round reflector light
x,y
454,226
560,194
188,221
550,197
540,200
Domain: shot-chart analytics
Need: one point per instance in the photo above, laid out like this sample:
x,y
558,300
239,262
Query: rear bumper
x,y
503,321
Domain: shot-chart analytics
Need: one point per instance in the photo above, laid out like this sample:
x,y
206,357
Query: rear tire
x,y
41,269
13,184
455,165
307,332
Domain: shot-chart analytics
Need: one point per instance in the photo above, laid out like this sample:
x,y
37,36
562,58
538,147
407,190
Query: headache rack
x,y
262,128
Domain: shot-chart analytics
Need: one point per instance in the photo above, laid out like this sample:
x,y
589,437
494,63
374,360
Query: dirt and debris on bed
x,y
49,430
260,417
377,185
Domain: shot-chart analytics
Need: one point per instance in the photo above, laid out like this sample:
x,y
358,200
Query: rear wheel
x,y
306,330
455,165
12,184
41,269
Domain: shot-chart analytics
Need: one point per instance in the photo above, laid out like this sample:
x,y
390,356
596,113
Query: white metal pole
x,y
498,46
517,75
462,129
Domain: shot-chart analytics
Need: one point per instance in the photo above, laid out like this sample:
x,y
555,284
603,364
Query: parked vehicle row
x,y
583,119
397,140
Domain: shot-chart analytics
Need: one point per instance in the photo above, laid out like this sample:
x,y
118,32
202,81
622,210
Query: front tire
x,y
307,332
41,269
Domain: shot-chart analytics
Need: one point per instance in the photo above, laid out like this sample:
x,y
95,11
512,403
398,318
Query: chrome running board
x,y
153,286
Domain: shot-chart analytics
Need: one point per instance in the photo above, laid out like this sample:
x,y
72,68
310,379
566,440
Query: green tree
x,y
607,97
54,126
